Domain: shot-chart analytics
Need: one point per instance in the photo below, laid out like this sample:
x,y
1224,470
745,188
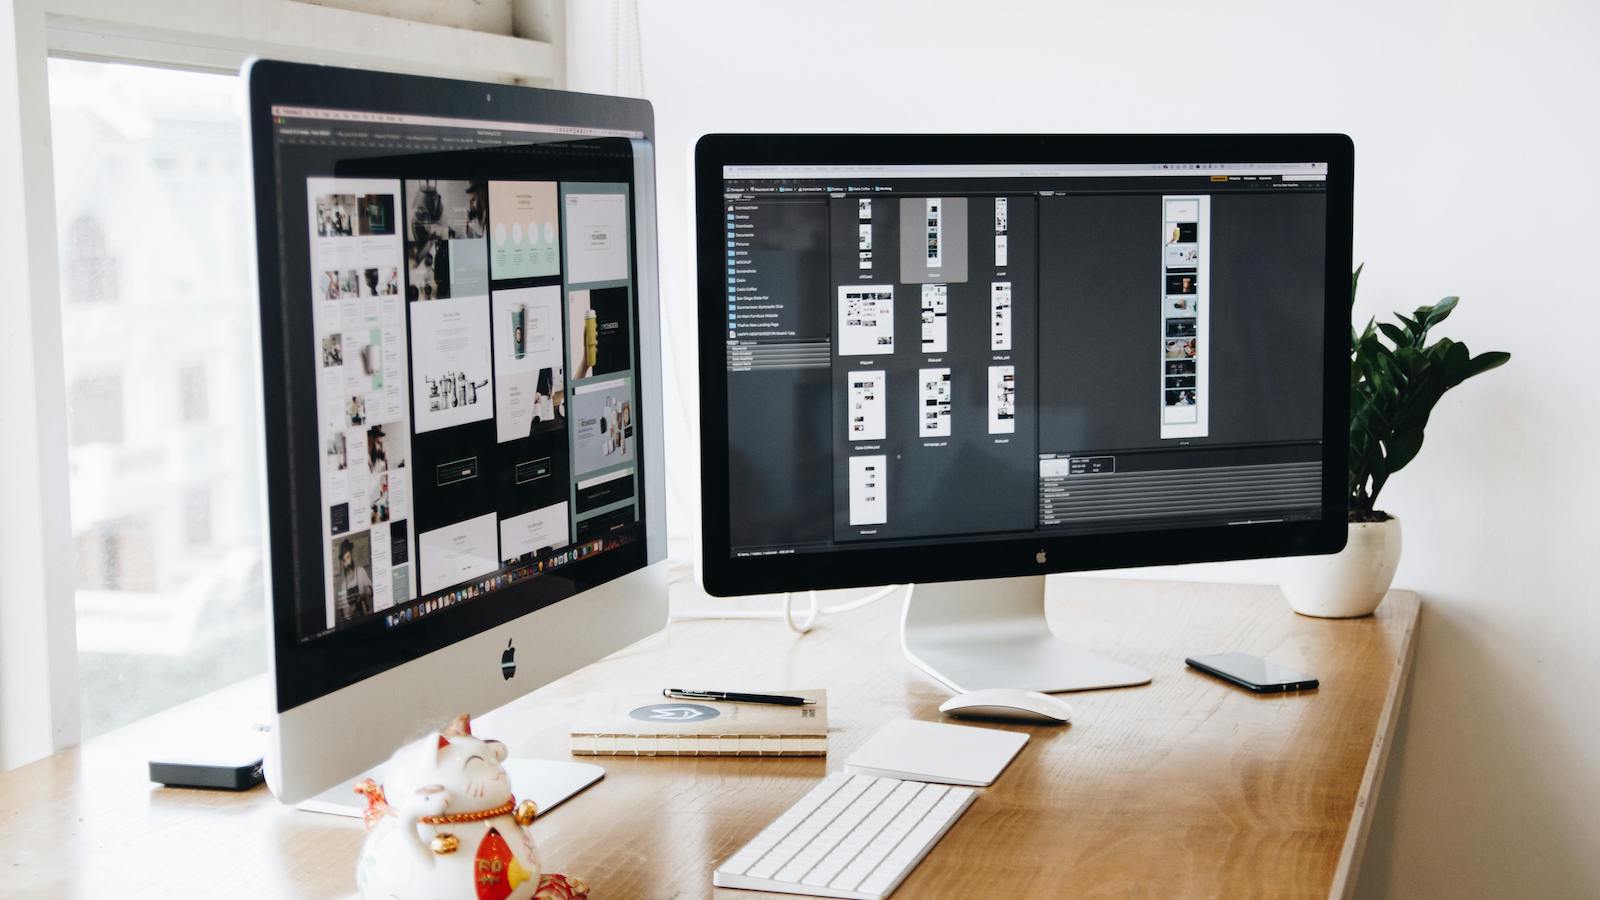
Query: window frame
x,y
38,635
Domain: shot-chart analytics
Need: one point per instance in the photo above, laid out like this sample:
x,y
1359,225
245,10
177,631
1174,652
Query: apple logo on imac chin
x,y
508,661
1040,558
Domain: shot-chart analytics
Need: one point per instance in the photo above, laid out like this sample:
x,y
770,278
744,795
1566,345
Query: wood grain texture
x,y
1186,787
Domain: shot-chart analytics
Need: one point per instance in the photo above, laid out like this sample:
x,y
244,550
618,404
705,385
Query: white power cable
x,y
815,610
811,617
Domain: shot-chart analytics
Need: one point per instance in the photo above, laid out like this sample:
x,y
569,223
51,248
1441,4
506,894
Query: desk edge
x,y
1355,840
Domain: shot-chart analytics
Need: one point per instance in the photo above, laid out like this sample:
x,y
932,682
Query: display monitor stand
x,y
992,634
546,782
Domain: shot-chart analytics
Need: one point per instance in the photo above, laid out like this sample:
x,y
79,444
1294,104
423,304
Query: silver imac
x,y
460,363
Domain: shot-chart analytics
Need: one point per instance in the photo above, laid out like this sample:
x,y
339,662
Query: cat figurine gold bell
x,y
443,825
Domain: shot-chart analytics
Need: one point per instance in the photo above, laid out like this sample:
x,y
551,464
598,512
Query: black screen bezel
x,y
308,669
726,575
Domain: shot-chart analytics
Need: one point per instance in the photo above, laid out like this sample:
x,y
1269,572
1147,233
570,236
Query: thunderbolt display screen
x,y
954,353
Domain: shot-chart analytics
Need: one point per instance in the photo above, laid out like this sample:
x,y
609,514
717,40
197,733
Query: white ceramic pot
x,y
1349,583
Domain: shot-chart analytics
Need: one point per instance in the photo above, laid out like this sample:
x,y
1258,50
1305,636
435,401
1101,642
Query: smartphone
x,y
1252,672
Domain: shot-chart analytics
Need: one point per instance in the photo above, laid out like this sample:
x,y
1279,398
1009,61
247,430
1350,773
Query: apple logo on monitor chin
x,y
508,661
1037,557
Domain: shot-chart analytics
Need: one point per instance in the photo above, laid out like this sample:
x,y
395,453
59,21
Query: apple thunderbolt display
x,y
967,361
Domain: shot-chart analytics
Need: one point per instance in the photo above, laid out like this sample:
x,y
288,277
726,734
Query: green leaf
x,y
1483,362
1401,448
1430,316
1396,380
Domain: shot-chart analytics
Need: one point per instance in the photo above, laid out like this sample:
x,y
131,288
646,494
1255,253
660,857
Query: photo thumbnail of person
x,y
387,448
352,577
1181,349
338,451
375,214
428,264
446,210
1186,283
336,215
380,499
377,457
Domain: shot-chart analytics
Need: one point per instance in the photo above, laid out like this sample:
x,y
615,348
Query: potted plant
x,y
1394,386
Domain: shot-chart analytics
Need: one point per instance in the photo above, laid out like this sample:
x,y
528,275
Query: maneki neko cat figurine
x,y
444,826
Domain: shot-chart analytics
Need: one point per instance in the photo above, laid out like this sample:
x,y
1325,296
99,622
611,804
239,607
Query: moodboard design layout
x,y
451,360
597,237
933,418
444,328
869,487
525,240
531,390
600,341
364,413
867,406
1000,315
1185,316
864,233
1000,231
933,240
1002,399
534,532
603,425
935,318
866,320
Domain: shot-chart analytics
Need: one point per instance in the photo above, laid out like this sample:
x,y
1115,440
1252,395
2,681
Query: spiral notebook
x,y
643,724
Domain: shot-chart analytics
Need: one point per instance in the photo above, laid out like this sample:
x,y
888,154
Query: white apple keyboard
x,y
851,836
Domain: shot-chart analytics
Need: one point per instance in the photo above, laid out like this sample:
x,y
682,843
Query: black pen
x,y
733,697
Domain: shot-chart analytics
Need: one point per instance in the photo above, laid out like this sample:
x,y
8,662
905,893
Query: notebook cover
x,y
642,724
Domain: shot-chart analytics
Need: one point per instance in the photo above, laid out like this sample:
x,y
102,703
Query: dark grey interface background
x,y
1084,268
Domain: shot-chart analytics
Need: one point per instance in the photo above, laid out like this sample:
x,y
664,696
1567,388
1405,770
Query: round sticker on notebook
x,y
674,712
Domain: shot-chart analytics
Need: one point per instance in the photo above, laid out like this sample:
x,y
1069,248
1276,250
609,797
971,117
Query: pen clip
x,y
676,694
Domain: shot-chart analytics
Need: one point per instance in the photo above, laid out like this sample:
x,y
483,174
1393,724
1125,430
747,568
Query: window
x,y
197,517
155,258
90,274
192,394
96,409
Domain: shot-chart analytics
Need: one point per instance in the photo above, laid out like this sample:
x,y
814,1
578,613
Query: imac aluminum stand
x,y
972,635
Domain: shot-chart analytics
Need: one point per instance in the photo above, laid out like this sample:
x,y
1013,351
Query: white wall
x,y
1475,127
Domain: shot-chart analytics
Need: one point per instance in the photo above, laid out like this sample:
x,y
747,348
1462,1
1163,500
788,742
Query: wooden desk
x,y
1186,787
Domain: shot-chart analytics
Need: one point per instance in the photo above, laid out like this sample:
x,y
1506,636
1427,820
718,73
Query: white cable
x,y
815,613
788,613
853,605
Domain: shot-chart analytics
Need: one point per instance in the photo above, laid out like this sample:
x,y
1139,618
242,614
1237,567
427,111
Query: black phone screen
x,y
1252,672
